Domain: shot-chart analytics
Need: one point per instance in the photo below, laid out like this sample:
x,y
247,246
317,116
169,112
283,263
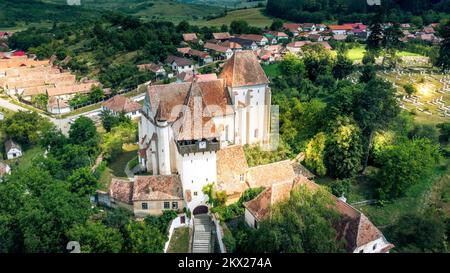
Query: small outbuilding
x,y
12,149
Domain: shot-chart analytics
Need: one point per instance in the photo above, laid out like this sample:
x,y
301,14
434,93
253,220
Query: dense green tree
x,y
375,108
144,238
84,132
304,223
25,127
83,182
418,233
444,52
342,67
404,165
343,152
314,154
94,237
317,60
277,24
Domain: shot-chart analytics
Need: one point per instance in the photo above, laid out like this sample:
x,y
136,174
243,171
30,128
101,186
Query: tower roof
x,y
243,69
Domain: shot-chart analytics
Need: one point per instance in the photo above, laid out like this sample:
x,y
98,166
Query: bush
x,y
229,241
341,187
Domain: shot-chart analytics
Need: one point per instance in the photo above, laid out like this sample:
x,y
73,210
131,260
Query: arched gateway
x,y
200,210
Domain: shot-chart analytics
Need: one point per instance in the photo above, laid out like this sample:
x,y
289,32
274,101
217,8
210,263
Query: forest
x,y
319,11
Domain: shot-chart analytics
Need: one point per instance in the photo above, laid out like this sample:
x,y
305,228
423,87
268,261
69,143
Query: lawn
x,y
253,16
25,161
415,199
116,168
357,53
179,243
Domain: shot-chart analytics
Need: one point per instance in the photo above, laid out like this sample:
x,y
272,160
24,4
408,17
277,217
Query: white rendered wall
x,y
196,171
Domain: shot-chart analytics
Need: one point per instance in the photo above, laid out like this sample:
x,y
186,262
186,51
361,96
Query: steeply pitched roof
x,y
266,175
353,226
9,144
251,37
221,36
231,165
121,190
189,37
157,187
178,60
121,104
243,69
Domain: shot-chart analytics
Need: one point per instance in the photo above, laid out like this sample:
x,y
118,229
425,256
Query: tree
x,y
109,120
239,27
84,132
410,89
375,39
277,24
303,223
343,152
96,94
94,237
25,127
418,233
144,238
39,210
317,61
404,165
375,107
314,154
443,59
342,67
83,182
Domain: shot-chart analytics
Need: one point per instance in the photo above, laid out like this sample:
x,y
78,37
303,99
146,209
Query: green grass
x,y
118,165
415,199
357,53
179,243
26,160
253,16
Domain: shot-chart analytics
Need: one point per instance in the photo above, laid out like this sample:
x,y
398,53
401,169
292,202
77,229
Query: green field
x,y
357,53
253,16
171,10
179,242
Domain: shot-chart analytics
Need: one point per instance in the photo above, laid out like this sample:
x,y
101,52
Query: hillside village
x,y
222,135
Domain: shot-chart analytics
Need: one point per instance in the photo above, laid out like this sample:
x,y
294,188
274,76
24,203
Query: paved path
x,y
202,234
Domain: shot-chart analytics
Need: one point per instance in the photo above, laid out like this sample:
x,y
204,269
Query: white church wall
x,y
196,171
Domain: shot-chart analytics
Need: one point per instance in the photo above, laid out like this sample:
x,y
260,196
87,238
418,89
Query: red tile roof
x,y
121,104
157,187
243,69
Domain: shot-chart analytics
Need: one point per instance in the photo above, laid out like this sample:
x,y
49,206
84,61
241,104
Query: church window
x,y
174,205
374,246
206,179
361,251
241,178
144,206
256,132
195,193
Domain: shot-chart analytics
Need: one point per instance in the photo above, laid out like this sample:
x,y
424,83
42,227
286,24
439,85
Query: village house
x,y
179,64
201,56
276,37
191,38
122,105
218,51
358,233
147,195
221,36
12,149
294,29
260,40
159,70
58,106
234,46
176,136
5,34
308,27
340,29
244,43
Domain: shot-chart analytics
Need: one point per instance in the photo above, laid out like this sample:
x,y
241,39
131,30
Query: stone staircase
x,y
202,234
